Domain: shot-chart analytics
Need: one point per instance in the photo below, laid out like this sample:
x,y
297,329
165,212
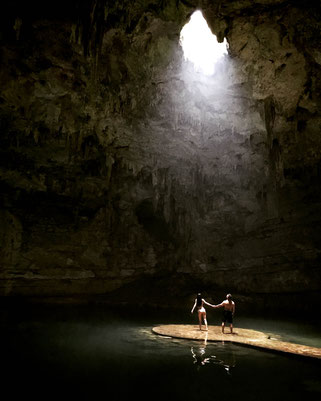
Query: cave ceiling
x,y
119,161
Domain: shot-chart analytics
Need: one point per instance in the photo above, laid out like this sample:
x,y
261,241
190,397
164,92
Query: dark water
x,y
93,353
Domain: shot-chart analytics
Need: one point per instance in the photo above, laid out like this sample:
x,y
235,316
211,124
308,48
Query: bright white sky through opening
x,y
200,46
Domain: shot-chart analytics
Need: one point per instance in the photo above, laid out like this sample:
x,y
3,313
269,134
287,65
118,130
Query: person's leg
x,y
205,321
223,325
200,320
231,322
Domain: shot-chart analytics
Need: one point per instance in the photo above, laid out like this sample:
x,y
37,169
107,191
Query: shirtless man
x,y
228,311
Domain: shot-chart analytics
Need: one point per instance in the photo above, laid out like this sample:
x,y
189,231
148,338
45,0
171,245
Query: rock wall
x,y
120,162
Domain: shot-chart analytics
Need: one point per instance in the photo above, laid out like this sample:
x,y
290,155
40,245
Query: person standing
x,y
228,306
199,303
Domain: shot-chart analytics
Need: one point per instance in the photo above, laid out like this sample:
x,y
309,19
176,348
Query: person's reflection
x,y
200,358
198,354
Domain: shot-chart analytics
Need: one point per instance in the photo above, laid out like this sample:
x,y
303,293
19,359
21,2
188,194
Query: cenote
x,y
95,352
140,167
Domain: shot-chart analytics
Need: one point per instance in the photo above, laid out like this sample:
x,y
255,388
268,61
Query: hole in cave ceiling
x,y
200,46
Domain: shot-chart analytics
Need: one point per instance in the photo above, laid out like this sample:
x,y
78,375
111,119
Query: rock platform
x,y
247,337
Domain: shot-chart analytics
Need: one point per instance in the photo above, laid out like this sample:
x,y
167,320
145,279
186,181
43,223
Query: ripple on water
x,y
122,359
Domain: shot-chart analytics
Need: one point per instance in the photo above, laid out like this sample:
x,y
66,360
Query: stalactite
x,y
119,159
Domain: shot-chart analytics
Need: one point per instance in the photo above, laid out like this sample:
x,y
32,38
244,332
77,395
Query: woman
x,y
199,303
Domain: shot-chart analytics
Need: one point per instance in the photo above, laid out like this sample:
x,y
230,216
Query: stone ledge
x,y
247,337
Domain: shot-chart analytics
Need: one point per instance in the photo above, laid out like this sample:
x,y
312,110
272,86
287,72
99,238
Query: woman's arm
x,y
193,307
207,303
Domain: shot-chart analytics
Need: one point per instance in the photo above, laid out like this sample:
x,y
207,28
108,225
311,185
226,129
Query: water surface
x,y
93,353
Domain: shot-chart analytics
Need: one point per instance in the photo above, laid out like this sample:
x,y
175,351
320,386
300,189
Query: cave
x,y
122,165
129,177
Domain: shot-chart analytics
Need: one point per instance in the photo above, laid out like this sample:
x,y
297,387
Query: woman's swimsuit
x,y
200,308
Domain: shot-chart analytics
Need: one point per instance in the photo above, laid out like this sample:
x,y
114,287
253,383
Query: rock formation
x,y
121,165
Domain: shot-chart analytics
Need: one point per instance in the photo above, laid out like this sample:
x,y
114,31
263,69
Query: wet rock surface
x,y
119,161
253,338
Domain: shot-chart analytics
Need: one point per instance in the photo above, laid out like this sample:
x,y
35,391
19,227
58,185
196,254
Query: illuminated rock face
x,y
118,161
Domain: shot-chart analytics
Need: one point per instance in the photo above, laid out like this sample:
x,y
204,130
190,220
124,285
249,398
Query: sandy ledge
x,y
252,338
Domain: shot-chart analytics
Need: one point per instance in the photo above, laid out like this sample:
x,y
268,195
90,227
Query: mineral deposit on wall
x,y
120,163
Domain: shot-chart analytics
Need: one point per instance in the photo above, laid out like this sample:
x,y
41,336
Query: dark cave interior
x,y
126,176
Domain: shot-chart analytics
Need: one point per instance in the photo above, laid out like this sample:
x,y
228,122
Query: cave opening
x,y
200,45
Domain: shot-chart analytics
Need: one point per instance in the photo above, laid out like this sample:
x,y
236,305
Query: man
x,y
228,311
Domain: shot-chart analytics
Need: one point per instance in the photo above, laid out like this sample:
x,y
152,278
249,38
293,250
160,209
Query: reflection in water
x,y
200,358
97,353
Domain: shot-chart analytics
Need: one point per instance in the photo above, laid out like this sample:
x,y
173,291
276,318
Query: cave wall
x,y
119,161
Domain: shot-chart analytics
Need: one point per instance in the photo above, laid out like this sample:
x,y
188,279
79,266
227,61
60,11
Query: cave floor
x,y
247,337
